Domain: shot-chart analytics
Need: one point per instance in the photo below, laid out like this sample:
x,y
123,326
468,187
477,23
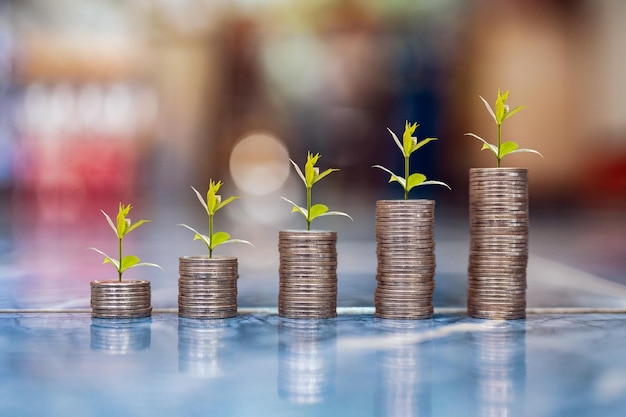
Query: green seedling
x,y
310,176
212,204
409,145
501,113
121,228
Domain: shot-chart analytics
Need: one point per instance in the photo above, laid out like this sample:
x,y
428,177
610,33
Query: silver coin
x,y
120,296
408,267
207,315
404,295
213,296
305,284
294,261
119,301
123,315
125,312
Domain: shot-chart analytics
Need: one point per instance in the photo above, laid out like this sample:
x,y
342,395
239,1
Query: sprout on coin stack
x,y
308,259
207,286
117,298
311,176
498,227
501,113
405,245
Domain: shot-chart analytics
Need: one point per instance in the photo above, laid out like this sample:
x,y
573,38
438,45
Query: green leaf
x,y
500,109
507,147
395,138
489,146
203,238
394,177
201,199
422,143
146,264
300,174
325,173
136,225
433,182
512,112
415,180
335,213
110,223
296,208
526,151
212,198
489,109
218,239
108,259
310,171
121,220
227,201
317,210
198,235
486,145
128,261
238,241
408,140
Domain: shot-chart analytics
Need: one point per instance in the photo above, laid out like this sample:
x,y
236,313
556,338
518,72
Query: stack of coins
x,y
120,299
308,274
405,248
207,287
498,243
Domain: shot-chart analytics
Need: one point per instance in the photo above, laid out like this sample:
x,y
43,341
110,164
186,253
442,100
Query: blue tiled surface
x,y
260,365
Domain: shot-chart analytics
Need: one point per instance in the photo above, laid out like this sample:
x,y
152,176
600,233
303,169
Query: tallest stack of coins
x,y
498,243
405,249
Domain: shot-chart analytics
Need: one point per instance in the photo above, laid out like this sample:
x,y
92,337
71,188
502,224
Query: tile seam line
x,y
342,310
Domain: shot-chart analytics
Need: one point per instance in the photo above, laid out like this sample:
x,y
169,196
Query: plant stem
x,y
406,177
308,208
499,141
119,270
210,235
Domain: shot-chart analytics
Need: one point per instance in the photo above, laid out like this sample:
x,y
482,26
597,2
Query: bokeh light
x,y
259,163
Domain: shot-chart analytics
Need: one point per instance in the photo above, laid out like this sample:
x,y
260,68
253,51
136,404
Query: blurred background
x,y
107,101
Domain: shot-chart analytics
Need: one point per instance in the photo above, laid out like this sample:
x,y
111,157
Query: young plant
x,y
121,228
501,113
212,204
407,147
311,176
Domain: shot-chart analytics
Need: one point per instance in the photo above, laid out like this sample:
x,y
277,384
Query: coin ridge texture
x,y
405,251
307,274
498,258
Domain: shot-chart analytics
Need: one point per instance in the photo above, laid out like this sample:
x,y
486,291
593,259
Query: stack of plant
x,y
118,298
308,259
207,286
498,227
405,246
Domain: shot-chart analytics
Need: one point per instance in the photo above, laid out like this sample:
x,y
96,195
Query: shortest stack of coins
x,y
120,299
405,248
207,287
308,274
498,243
